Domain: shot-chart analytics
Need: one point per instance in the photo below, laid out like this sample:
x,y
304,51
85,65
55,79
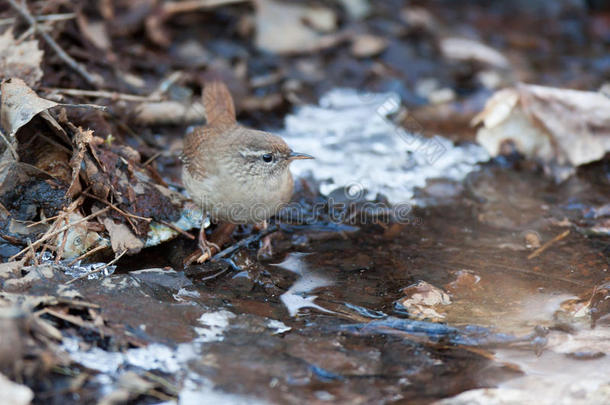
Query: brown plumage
x,y
239,175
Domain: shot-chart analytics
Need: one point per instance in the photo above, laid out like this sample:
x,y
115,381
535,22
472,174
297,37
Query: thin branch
x,y
87,254
80,69
110,263
175,228
174,7
548,244
57,232
245,242
41,18
103,94
117,209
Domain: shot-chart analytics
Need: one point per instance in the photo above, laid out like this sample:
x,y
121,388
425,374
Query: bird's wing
x,y
194,151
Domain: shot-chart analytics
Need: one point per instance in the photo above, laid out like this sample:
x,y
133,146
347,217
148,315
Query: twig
x,y
9,145
214,275
92,80
57,232
110,263
117,209
174,7
175,228
166,84
88,106
64,240
33,252
87,254
42,221
103,94
150,159
244,242
548,244
126,214
41,18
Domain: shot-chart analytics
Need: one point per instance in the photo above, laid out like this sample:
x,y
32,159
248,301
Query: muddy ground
x,y
450,244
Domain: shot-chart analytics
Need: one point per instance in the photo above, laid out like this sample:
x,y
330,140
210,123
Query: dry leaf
x,y
169,112
558,126
94,31
421,299
19,104
281,28
79,239
20,59
468,49
366,45
122,238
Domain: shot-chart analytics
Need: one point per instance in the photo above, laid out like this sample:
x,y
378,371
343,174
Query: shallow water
x,y
444,302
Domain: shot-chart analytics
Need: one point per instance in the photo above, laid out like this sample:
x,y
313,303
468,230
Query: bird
x,y
237,175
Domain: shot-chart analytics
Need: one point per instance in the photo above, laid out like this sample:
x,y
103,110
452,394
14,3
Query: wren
x,y
238,175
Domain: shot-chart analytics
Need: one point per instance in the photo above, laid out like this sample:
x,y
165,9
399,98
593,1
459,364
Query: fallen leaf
x,y
169,112
94,31
282,28
122,238
364,46
421,299
321,19
20,59
471,50
19,104
556,126
79,239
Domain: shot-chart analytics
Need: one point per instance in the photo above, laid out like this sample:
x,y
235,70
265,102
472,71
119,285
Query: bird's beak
x,y
296,156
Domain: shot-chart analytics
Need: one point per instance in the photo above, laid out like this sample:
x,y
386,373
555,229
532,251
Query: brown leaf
x,y
471,50
564,126
94,31
169,112
281,28
19,104
122,238
20,59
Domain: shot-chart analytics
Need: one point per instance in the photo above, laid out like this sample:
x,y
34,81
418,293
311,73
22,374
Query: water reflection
x,y
297,296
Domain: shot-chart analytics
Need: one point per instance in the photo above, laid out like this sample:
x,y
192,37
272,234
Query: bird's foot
x,y
208,249
265,252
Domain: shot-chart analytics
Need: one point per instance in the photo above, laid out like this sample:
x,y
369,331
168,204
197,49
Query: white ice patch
x,y
214,325
200,391
355,143
155,356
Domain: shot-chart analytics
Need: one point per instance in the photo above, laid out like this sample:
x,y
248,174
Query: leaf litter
x,y
85,192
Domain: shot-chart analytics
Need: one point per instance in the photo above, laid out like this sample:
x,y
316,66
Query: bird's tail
x,y
218,103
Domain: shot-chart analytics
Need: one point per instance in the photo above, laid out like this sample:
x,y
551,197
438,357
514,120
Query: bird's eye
x,y
267,157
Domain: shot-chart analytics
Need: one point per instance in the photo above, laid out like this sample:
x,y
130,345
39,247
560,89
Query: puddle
x,y
323,324
298,295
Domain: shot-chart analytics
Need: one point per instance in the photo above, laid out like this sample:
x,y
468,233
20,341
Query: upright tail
x,y
218,103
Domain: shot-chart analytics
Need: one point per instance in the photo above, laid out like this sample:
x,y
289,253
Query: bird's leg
x,y
205,251
207,248
265,251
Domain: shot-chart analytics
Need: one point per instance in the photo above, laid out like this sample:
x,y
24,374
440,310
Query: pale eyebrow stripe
x,y
254,153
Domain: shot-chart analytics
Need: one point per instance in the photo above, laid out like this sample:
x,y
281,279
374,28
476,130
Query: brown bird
x,y
237,174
